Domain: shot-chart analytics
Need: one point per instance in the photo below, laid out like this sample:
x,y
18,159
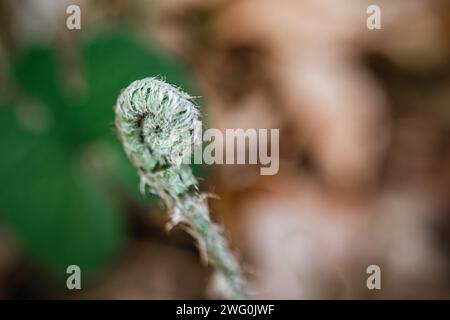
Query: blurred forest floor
x,y
364,119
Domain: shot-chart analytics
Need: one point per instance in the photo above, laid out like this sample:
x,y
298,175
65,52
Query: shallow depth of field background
x,y
364,119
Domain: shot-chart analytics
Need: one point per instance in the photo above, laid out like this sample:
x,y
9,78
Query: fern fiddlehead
x,y
159,126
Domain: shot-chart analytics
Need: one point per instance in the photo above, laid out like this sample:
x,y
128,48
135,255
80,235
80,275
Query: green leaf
x,y
59,217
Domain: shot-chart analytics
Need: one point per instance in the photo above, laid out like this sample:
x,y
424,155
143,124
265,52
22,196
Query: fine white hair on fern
x,y
159,125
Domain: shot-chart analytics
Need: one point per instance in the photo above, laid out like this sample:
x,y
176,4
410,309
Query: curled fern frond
x,y
159,127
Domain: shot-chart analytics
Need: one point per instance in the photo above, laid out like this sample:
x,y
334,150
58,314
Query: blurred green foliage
x,y
61,187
